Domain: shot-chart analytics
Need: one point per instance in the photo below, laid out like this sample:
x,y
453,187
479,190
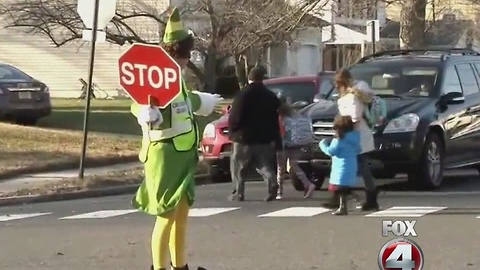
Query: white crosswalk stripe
x,y
406,211
101,214
21,216
297,212
293,212
207,212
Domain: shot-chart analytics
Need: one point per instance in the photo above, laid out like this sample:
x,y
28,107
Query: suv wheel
x,y
429,175
314,177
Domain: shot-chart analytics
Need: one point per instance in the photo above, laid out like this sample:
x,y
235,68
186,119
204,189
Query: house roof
x,y
338,35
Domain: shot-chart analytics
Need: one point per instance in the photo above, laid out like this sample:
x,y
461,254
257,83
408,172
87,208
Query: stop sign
x,y
148,70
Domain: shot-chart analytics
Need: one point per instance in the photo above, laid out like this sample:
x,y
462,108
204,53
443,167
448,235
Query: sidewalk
x,y
29,180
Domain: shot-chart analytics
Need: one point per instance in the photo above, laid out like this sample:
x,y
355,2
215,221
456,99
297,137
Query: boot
x,y
371,203
186,268
333,202
342,209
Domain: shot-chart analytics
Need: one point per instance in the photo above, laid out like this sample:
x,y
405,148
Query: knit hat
x,y
174,30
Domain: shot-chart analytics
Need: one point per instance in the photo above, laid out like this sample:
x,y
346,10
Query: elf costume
x,y
170,156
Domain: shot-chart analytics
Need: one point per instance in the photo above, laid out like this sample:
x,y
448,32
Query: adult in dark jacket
x,y
253,128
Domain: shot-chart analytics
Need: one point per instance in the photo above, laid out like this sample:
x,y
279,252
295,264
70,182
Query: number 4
x,y
405,251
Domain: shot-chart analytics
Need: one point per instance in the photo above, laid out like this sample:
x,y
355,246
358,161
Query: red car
x,y
216,147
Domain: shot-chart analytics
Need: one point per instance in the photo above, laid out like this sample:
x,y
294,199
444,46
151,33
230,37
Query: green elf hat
x,y
174,31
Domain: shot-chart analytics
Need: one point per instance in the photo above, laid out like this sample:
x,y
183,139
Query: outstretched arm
x,y
331,149
203,103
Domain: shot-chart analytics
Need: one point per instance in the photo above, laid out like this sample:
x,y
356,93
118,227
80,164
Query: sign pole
x,y
89,89
373,36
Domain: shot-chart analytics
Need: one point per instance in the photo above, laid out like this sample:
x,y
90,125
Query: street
x,y
106,233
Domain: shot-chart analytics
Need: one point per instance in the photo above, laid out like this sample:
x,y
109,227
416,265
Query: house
x,y
61,68
345,39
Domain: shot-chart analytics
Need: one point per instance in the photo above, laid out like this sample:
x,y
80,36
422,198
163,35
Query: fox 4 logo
x,y
400,253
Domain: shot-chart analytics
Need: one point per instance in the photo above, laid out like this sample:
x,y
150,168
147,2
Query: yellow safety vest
x,y
183,130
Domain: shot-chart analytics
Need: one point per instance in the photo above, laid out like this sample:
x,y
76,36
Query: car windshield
x,y
11,73
296,91
396,80
327,83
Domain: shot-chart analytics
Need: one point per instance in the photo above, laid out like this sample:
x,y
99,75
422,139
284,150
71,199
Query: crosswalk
x,y
288,212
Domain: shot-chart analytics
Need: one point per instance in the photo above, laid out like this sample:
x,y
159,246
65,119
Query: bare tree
x,y
242,29
236,27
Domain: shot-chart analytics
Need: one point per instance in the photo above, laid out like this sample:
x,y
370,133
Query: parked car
x,y
216,147
23,99
433,104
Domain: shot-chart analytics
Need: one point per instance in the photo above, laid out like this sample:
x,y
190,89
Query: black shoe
x,y
272,195
333,202
371,203
236,197
342,209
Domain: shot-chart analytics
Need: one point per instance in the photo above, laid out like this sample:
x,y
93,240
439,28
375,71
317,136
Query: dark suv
x,y
433,119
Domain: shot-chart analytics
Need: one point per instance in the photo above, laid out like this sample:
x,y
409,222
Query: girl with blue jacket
x,y
343,149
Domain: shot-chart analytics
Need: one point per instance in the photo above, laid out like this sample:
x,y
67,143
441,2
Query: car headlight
x,y
405,123
209,131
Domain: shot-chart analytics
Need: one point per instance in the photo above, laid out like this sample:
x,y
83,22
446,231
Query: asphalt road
x,y
290,234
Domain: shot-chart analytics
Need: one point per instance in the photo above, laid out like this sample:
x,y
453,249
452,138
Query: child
x,y
290,151
343,149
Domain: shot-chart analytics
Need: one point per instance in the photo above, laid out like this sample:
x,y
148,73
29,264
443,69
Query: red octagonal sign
x,y
148,70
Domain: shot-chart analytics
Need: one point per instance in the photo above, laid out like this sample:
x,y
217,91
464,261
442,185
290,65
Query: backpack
x,y
375,111
298,131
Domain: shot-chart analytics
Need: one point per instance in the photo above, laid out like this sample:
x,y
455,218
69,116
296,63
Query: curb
x,y
75,195
90,163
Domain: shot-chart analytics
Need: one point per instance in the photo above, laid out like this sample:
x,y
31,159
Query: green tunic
x,y
169,174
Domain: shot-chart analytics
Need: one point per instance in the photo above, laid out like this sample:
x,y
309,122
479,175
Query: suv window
x,y
451,82
11,73
467,79
297,91
397,79
326,85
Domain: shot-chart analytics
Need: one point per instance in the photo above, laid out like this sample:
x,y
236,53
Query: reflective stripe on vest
x,y
183,129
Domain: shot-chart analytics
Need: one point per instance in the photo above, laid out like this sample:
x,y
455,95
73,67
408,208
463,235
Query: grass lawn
x,y
108,116
32,149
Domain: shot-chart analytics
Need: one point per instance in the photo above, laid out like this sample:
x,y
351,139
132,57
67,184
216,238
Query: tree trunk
x,y
210,69
240,71
412,24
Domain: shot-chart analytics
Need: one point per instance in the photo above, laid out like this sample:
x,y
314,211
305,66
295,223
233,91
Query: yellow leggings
x,y
169,233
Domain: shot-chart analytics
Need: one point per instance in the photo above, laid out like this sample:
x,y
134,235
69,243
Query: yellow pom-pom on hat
x,y
174,30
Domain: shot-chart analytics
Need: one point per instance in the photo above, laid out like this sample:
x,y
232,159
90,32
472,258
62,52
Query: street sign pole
x,y
373,36
89,89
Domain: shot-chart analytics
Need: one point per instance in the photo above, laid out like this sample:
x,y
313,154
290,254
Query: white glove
x,y
208,101
218,99
149,115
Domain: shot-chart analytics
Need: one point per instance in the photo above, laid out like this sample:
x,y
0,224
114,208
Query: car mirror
x,y
453,98
299,104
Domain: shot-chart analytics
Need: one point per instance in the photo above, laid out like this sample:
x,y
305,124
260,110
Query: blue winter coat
x,y
344,158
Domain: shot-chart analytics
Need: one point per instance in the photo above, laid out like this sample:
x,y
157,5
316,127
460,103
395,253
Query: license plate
x,y
24,95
